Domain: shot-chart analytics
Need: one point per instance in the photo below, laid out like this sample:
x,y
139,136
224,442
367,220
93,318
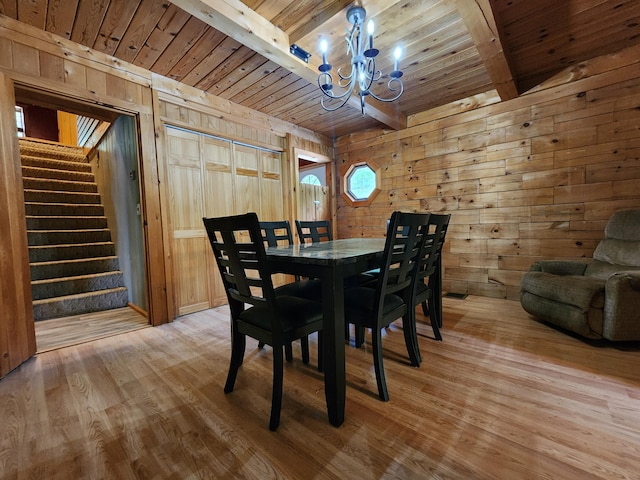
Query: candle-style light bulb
x,y
324,46
370,28
396,55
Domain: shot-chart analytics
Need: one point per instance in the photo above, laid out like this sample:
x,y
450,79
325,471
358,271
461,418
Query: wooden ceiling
x,y
239,50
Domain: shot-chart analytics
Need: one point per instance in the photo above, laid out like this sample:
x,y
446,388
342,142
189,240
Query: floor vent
x,y
459,296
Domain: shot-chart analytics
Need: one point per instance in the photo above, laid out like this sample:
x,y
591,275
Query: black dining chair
x,y
314,230
375,307
428,286
275,320
276,233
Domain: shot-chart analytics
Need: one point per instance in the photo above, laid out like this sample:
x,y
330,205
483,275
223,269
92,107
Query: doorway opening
x,y
315,186
80,166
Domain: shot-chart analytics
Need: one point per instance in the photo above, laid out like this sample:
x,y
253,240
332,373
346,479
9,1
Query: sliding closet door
x,y
219,202
213,177
186,209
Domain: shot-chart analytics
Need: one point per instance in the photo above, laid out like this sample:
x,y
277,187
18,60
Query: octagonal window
x,y
360,185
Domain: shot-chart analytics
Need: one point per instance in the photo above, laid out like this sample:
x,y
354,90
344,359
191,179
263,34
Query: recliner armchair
x,y
597,298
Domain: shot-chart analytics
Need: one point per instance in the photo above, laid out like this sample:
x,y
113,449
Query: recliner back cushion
x,y
621,245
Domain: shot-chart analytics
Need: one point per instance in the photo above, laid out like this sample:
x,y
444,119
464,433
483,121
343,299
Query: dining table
x,y
331,262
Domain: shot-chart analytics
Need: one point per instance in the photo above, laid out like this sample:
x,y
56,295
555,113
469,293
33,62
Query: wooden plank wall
x,y
532,178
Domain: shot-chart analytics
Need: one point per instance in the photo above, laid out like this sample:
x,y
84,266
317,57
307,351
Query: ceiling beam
x,y
478,17
236,20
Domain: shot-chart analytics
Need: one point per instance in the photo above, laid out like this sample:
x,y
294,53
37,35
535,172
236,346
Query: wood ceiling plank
x,y
186,38
117,19
258,88
270,93
144,21
233,62
212,61
89,17
243,76
234,19
480,21
60,17
9,8
33,13
207,43
163,34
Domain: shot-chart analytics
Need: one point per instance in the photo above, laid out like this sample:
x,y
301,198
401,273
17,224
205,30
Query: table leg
x,y
333,345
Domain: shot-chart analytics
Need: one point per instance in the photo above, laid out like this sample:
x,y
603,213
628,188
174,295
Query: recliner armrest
x,y
622,306
559,267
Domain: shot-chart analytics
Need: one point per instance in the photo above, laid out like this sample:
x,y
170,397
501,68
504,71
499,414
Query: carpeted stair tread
x,y
42,209
64,222
58,237
80,303
52,150
51,253
52,174
42,196
59,185
71,268
52,164
63,286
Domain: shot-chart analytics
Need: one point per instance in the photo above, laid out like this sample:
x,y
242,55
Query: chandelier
x,y
363,72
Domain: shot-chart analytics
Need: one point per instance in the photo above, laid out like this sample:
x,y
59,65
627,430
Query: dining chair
x,y
314,230
276,233
428,285
275,320
375,307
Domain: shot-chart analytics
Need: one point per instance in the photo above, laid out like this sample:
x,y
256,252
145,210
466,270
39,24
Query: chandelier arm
x,y
391,89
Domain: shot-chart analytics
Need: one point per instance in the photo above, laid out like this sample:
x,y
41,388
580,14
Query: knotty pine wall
x,y
528,179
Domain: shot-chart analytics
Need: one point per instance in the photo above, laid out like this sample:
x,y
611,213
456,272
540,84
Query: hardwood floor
x,y
502,397
77,329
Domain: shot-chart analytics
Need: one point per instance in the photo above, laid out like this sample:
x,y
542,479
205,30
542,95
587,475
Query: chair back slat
x,y
239,251
406,235
276,233
438,225
314,230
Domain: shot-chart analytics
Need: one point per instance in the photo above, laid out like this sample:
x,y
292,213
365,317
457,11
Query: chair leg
x,y
359,340
288,352
376,341
425,309
304,345
411,337
260,345
238,343
320,354
436,323
276,395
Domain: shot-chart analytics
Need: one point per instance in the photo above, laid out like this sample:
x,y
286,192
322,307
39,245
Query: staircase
x,y
73,265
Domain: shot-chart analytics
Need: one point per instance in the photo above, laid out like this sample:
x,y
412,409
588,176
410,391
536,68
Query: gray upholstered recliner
x,y
597,298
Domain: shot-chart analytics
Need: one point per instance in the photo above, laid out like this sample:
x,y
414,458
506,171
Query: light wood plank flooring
x,y
502,397
67,331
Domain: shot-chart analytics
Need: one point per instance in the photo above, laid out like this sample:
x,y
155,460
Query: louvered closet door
x,y
186,208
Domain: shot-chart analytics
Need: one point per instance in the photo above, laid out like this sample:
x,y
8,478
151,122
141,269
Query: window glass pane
x,y
362,182
310,179
20,121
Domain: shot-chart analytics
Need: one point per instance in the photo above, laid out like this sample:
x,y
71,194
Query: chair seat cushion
x,y
293,312
308,289
359,303
580,291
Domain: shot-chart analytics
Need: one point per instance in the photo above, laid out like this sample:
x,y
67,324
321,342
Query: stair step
x,y
52,253
38,209
62,237
44,196
52,150
59,185
80,303
51,164
47,173
65,223
59,287
73,268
